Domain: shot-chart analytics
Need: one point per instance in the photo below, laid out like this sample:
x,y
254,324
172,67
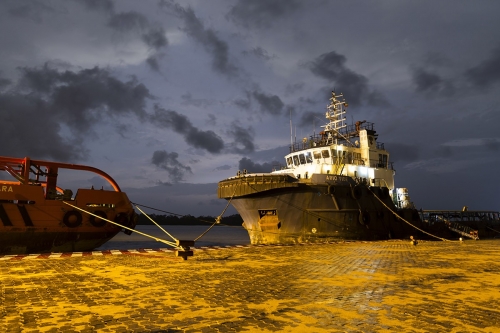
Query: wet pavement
x,y
341,287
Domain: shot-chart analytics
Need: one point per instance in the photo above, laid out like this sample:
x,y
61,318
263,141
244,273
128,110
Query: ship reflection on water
x,y
218,236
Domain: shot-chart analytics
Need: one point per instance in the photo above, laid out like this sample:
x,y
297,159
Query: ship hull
x,y
283,210
30,223
274,213
35,240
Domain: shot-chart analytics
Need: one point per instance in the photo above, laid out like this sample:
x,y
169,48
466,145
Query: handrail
x,y
21,167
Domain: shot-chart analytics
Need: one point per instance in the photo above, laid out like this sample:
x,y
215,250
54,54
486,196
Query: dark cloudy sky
x,y
170,97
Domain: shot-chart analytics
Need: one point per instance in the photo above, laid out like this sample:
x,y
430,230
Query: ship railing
x,y
432,216
278,166
352,128
321,139
313,141
381,164
379,182
253,183
462,230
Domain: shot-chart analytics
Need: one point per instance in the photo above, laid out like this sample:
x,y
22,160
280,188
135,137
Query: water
x,y
217,236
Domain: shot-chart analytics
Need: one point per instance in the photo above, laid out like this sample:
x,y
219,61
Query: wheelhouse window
x,y
302,159
357,159
325,153
295,160
289,161
309,158
317,154
334,156
382,160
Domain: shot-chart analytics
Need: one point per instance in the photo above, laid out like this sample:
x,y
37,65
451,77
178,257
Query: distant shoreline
x,y
232,220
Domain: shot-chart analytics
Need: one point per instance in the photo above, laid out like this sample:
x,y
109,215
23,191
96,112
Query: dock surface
x,y
390,286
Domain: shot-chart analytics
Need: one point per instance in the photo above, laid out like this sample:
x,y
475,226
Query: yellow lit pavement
x,y
344,287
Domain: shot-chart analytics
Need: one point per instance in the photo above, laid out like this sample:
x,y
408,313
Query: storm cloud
x,y
243,139
270,104
310,118
207,140
81,98
401,152
152,34
487,73
331,66
213,44
252,167
28,128
261,13
259,52
169,162
127,21
77,100
431,83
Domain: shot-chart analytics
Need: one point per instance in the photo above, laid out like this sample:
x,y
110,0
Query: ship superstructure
x,y
342,150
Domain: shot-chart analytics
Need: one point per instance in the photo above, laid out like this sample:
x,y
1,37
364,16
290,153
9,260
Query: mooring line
x,y
399,217
165,231
218,218
124,227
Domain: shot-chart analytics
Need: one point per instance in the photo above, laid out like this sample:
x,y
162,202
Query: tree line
x,y
188,220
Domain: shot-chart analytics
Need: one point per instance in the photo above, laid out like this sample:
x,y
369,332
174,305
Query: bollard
x,y
185,246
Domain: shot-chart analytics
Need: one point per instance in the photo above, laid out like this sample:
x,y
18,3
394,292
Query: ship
x,y
38,216
339,185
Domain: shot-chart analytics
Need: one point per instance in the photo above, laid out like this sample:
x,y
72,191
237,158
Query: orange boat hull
x,y
36,220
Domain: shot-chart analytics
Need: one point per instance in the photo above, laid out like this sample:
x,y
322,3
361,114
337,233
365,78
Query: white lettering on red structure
x,y
4,188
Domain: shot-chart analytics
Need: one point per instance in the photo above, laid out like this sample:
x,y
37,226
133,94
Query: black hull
x,y
287,212
321,213
37,241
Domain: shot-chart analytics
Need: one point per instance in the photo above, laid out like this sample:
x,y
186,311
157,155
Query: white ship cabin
x,y
341,149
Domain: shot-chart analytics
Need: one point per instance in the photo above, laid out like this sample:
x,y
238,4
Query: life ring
x,y
356,192
97,222
364,218
72,218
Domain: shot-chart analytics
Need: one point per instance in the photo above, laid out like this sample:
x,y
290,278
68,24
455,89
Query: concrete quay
x,y
390,286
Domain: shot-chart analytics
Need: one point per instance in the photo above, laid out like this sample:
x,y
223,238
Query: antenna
x,y
291,131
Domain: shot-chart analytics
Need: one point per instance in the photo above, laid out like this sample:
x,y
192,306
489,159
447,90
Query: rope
x,y
333,223
164,211
493,229
218,218
399,217
122,226
165,231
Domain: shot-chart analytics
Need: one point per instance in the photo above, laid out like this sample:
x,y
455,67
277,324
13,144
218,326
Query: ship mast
x,y
336,115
